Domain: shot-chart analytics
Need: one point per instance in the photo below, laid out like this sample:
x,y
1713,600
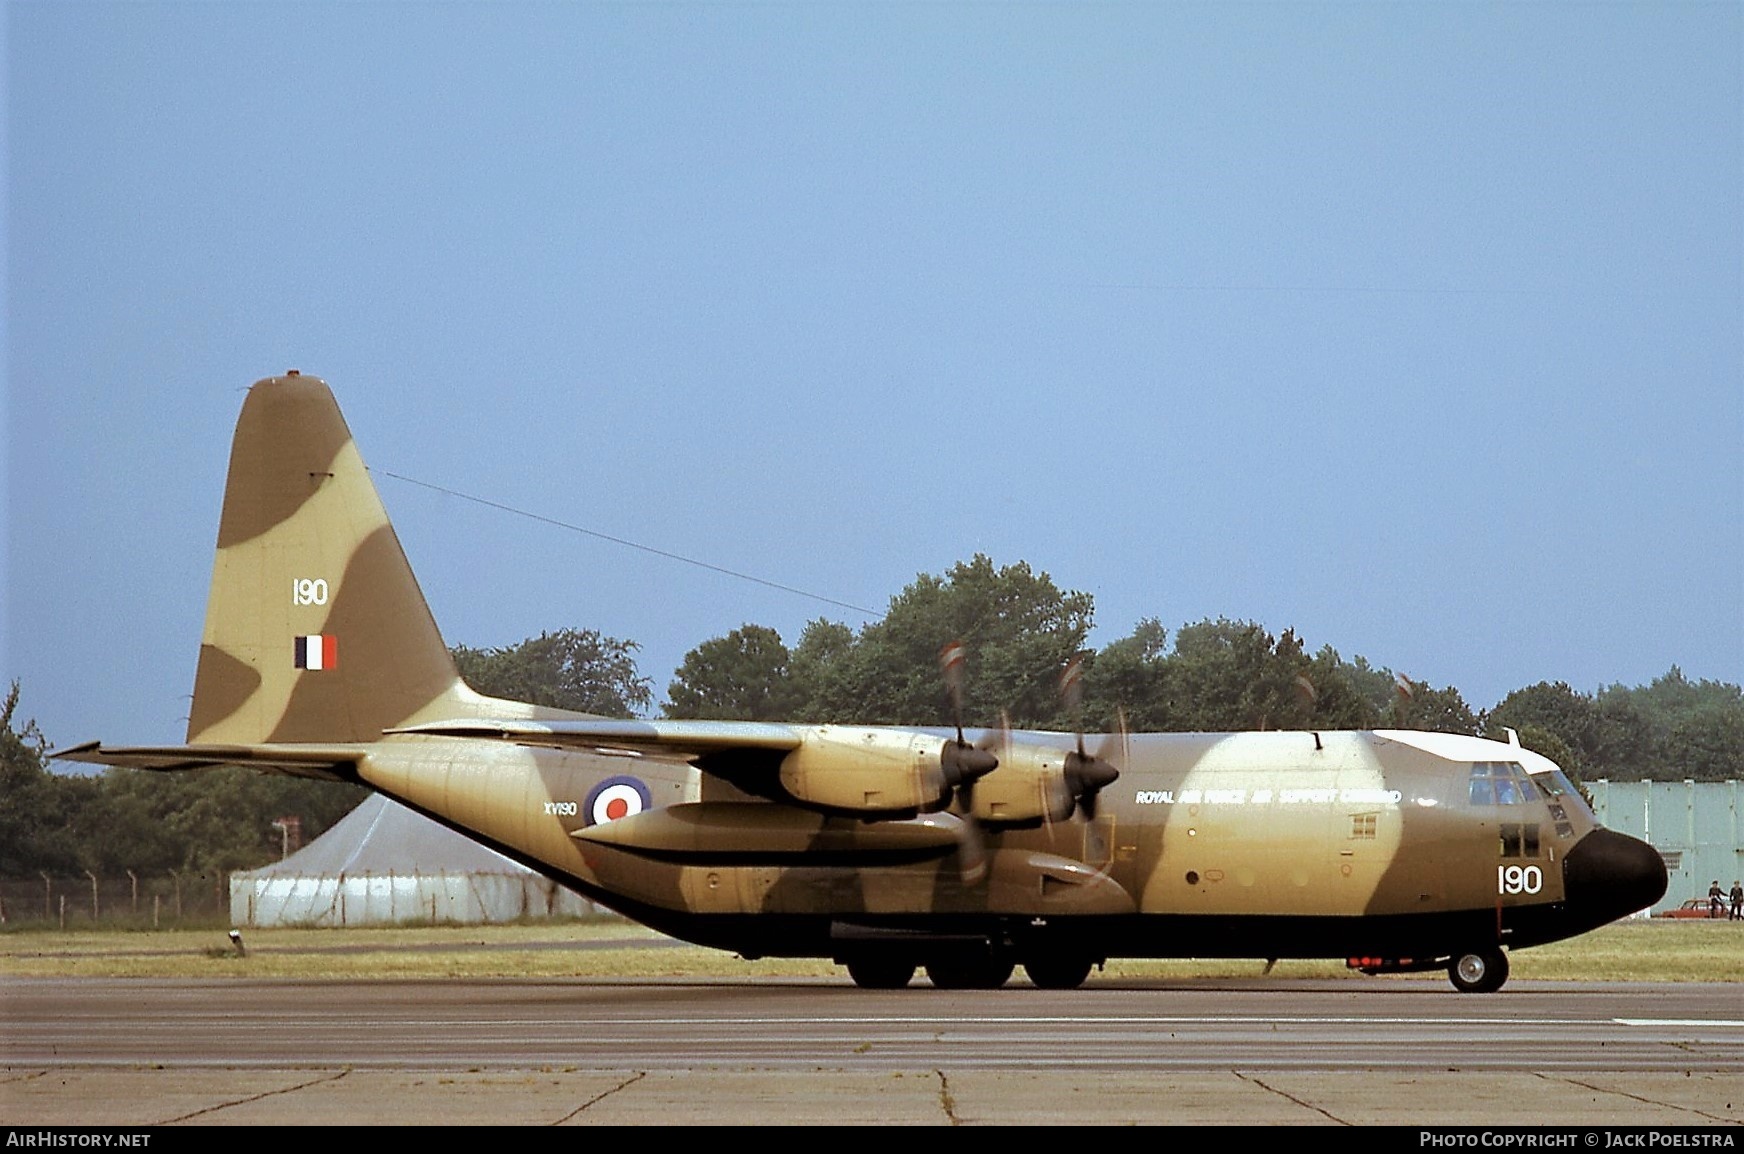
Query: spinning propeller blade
x,y
962,763
1086,776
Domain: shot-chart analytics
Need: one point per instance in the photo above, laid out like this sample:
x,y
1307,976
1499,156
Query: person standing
x,y
1716,899
1737,896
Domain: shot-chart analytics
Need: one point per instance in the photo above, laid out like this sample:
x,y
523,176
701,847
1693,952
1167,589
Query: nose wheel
x,y
1480,971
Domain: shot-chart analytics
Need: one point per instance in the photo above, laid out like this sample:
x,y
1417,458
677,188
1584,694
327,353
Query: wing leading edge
x,y
685,740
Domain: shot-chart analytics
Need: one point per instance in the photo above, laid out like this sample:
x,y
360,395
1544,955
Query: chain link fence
x,y
132,901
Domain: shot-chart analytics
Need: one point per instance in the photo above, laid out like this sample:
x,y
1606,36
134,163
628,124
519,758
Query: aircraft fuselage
x,y
1391,846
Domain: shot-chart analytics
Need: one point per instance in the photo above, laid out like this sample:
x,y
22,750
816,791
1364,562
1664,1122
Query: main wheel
x,y
1479,972
876,973
1057,971
969,973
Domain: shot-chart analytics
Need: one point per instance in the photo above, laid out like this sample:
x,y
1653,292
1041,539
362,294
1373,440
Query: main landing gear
x,y
876,973
975,972
1057,971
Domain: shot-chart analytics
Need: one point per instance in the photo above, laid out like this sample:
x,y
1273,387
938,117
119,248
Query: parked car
x,y
1694,908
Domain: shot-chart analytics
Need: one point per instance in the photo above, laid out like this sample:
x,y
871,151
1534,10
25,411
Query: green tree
x,y
148,822
1018,631
1226,675
1232,675
574,669
210,820
1344,692
1376,686
1417,706
743,676
818,669
44,816
1128,681
1540,740
1555,708
1677,728
1675,695
1707,745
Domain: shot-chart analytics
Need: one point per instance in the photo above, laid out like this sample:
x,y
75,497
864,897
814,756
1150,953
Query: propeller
x,y
971,850
1086,776
961,762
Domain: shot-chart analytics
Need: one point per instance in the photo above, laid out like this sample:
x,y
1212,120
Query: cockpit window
x,y
1556,784
1563,797
1500,783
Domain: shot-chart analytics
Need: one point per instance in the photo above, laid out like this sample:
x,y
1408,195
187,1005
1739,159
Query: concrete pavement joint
x,y
256,1097
625,1084
1638,1098
1290,1098
946,1101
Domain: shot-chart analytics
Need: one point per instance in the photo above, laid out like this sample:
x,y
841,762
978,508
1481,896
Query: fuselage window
x,y
1362,826
1519,839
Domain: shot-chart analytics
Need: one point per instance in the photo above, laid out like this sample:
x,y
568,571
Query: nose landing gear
x,y
1480,971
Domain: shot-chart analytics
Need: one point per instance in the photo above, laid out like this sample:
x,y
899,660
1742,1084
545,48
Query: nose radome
x,y
1608,875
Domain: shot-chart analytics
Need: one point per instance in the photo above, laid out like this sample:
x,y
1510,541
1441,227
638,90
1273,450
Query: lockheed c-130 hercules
x,y
884,848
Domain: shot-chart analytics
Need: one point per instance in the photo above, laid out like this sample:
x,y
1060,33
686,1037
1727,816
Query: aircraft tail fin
x,y
316,630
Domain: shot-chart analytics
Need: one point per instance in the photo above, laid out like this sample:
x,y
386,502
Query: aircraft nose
x,y
1608,875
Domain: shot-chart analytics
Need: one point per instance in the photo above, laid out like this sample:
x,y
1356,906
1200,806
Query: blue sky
x,y
1418,328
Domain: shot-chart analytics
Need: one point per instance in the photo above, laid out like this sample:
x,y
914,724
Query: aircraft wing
x,y
878,771
680,740
336,762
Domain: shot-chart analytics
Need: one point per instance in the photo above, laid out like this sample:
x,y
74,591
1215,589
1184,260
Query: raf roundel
x,y
617,797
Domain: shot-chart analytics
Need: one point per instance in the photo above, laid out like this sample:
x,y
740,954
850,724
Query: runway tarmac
x,y
131,1052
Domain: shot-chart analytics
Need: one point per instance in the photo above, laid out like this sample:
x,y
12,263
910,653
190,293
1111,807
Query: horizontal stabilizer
x,y
334,762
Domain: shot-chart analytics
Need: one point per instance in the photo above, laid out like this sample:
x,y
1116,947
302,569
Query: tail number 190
x,y
1515,879
305,591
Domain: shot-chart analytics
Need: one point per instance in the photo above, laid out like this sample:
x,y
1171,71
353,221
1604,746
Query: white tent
x,y
381,864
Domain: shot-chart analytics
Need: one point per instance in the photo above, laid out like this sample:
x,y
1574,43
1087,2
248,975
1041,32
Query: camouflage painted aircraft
x,y
885,849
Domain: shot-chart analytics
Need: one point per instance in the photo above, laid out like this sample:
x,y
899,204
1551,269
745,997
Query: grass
x,y
1626,951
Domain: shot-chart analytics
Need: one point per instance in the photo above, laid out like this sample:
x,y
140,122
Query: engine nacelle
x,y
855,770
1029,785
